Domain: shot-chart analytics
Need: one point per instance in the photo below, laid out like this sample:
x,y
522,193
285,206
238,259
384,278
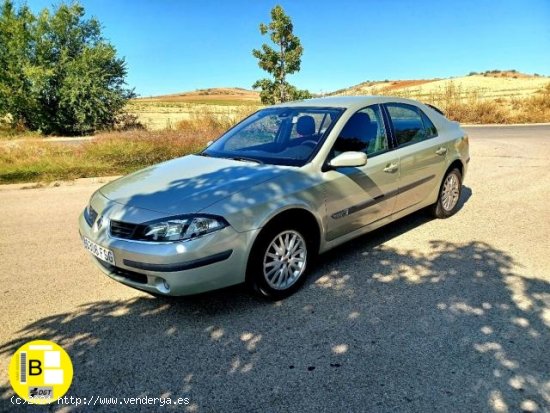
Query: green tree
x,y
70,80
16,102
281,62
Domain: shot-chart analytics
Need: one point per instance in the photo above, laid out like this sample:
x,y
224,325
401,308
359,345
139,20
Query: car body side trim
x,y
373,201
188,265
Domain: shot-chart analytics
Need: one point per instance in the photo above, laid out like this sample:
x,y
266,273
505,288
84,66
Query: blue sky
x,y
178,45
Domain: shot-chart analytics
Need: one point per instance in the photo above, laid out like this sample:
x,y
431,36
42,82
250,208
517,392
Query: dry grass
x,y
159,114
113,153
209,122
490,97
9,133
477,110
489,85
472,105
167,111
533,109
109,154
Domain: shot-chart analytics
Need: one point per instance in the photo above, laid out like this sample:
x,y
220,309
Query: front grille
x,y
90,215
121,229
130,275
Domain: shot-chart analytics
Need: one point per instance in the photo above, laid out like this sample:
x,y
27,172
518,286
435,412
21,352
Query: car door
x,y
421,154
359,196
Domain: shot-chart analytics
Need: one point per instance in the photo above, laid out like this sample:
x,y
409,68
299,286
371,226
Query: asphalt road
x,y
423,315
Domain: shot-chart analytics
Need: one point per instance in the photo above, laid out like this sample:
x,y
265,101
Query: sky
x,y
173,46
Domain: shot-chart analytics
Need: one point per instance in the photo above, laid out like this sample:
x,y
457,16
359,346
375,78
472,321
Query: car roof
x,y
358,102
348,101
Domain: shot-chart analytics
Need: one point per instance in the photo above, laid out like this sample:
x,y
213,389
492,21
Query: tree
x,y
15,40
63,76
279,63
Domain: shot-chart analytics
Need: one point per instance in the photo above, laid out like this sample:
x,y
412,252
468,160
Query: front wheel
x,y
279,261
449,195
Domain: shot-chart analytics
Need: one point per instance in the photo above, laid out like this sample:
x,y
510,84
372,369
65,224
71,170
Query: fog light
x,y
162,285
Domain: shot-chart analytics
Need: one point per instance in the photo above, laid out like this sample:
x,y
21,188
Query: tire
x,y
266,264
449,195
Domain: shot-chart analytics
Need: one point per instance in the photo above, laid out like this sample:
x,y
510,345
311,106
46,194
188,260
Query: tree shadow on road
x,y
375,328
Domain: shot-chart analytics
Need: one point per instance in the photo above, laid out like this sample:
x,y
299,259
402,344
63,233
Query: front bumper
x,y
210,262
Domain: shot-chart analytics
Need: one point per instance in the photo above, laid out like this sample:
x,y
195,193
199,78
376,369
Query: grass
x,y
490,85
7,133
471,105
167,114
113,153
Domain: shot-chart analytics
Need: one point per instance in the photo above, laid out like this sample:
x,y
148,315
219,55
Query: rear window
x,y
410,124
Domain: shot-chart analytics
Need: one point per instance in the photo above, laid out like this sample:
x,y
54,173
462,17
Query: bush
x,y
128,121
58,75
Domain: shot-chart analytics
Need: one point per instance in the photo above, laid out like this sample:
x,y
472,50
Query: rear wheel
x,y
449,195
279,261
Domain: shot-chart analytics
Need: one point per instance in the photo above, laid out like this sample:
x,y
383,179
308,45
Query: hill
x,y
489,97
223,95
487,85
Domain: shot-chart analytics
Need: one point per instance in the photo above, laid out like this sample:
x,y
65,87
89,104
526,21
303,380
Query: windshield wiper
x,y
244,159
235,158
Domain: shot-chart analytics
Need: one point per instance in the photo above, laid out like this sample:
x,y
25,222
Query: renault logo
x,y
100,222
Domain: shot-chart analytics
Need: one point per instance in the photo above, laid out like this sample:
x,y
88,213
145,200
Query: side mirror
x,y
349,159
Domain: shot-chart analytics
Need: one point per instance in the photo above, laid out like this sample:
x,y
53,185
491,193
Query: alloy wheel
x,y
285,260
450,192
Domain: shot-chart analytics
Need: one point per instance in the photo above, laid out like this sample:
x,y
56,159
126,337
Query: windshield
x,y
279,136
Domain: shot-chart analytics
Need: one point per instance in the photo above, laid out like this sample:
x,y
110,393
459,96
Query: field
x,y
487,87
491,97
165,112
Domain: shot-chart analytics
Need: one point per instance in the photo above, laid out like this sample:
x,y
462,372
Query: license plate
x,y
98,251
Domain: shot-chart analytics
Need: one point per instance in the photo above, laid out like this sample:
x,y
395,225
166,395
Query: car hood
x,y
188,184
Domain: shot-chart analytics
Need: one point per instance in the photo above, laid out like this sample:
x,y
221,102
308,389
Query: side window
x,y
364,132
431,131
407,123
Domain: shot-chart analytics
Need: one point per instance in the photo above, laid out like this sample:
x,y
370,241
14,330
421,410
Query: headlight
x,y
90,214
181,228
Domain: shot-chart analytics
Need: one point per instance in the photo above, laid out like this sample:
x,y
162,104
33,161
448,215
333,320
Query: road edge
x,y
58,183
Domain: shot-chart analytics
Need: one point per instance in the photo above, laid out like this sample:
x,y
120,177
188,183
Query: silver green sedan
x,y
286,184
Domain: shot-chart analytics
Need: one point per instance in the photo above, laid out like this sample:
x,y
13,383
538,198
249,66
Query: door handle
x,y
441,151
391,168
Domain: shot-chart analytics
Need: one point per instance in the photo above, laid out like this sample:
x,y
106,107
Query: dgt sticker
x,y
41,372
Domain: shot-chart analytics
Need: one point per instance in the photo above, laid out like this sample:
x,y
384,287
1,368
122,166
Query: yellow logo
x,y
41,372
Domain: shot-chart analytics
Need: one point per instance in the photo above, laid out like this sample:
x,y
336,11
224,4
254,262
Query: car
x,y
260,203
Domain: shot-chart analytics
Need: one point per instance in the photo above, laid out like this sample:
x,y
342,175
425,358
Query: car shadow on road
x,y
376,328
